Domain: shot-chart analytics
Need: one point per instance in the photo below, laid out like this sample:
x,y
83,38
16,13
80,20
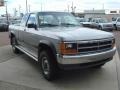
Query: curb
x,y
117,62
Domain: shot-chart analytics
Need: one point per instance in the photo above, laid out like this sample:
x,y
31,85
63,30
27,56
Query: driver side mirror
x,y
32,25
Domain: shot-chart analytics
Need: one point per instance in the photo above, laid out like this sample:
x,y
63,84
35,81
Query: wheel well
x,y
11,36
48,49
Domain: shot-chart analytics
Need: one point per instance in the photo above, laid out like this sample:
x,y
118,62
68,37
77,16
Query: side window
x,y
32,19
118,20
97,21
24,20
93,20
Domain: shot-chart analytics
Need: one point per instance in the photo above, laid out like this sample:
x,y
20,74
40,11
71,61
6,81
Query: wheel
x,y
13,43
100,28
48,66
98,66
115,27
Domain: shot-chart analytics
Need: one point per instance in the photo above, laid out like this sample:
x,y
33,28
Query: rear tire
x,y
48,66
14,43
99,66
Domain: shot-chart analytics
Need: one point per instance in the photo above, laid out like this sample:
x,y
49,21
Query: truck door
x,y
31,38
20,36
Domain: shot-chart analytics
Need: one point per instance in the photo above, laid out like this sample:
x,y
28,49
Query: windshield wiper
x,y
48,25
68,24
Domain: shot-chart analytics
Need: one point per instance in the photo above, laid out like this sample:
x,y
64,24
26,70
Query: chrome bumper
x,y
108,28
79,59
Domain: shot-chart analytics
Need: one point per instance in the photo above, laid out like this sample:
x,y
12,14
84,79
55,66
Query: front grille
x,y
108,25
94,46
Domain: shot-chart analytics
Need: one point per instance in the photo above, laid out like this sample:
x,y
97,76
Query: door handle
x,y
24,29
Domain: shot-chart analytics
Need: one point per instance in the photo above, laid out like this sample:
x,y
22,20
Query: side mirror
x,y
31,25
97,22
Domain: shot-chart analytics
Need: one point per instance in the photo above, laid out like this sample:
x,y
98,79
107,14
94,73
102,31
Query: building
x,y
108,14
94,13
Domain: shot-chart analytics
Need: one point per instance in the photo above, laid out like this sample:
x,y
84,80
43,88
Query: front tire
x,y
13,43
99,66
48,66
100,28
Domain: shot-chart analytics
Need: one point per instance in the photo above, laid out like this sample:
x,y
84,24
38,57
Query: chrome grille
x,y
94,46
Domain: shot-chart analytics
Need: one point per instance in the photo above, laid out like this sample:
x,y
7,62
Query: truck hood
x,y
76,33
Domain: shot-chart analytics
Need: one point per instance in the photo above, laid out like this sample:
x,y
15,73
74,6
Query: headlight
x,y
68,48
113,43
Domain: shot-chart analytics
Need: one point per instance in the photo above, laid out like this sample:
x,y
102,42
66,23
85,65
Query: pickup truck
x,y
102,24
57,42
116,23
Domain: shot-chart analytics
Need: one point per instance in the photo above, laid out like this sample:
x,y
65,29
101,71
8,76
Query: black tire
x,y
115,27
99,66
48,65
14,43
100,28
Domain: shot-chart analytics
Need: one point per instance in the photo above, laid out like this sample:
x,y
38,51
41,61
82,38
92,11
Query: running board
x,y
30,55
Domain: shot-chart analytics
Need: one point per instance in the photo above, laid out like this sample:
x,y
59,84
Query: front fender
x,y
49,44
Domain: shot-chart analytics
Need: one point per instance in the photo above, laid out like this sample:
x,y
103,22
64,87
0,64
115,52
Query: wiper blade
x,y
49,25
68,24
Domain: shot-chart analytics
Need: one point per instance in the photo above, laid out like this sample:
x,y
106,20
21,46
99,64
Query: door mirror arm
x,y
32,25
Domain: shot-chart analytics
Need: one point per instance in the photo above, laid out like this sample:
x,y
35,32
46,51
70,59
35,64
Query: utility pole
x,y
41,7
6,12
26,6
73,8
93,13
103,6
15,12
29,8
68,8
19,9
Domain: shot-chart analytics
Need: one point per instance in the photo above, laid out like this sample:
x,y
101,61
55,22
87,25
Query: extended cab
x,y
56,41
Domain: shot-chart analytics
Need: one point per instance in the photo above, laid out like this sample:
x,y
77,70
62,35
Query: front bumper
x,y
108,28
80,59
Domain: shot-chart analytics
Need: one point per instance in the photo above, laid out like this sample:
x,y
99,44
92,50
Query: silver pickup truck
x,y
56,41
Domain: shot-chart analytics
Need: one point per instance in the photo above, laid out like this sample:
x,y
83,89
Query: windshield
x,y
51,19
114,19
103,20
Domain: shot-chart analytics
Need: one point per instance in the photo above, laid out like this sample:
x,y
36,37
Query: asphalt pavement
x,y
19,72
117,36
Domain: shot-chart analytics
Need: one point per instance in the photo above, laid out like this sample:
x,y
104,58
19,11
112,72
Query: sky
x,y
59,5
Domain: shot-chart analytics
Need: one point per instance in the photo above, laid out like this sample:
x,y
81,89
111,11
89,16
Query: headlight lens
x,y
68,48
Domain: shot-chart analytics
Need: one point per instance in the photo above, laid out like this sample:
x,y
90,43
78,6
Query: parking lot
x,y
19,72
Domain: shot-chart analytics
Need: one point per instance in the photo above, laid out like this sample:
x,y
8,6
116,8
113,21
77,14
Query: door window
x,y
32,19
24,20
119,20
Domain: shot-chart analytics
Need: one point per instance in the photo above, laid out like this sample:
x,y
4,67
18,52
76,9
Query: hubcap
x,y
45,65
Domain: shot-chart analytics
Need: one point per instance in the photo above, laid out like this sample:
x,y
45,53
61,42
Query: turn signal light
x,y
68,48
